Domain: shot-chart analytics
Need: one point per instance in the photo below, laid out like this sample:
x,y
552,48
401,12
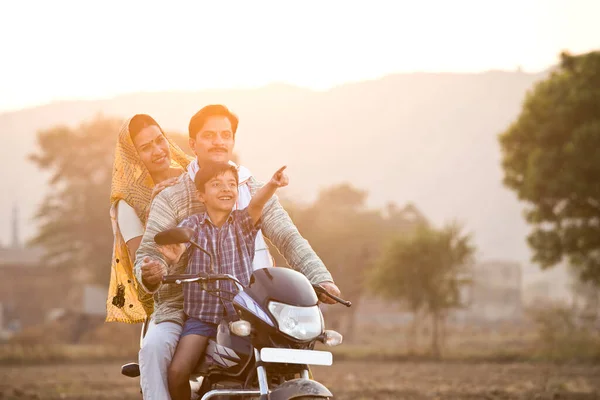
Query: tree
x,y
551,159
74,226
74,221
585,301
425,270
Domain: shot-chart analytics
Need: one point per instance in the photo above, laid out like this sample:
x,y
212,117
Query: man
x,y
212,137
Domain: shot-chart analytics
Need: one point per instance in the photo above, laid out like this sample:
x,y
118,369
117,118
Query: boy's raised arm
x,y
263,195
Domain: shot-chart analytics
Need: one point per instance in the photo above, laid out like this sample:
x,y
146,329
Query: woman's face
x,y
153,149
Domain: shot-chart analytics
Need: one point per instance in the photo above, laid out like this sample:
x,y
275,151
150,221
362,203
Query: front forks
x,y
261,374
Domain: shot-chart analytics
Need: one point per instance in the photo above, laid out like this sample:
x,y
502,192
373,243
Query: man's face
x,y
214,141
220,193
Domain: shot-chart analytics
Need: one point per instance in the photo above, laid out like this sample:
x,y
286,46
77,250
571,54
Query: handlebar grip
x,y
217,277
340,300
321,290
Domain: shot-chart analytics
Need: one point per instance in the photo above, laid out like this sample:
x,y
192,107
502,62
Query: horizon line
x,y
241,88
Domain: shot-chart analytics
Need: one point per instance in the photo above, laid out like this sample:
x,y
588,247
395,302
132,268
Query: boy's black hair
x,y
211,170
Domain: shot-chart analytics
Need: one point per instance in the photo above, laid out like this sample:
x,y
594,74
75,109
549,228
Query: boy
x,y
229,236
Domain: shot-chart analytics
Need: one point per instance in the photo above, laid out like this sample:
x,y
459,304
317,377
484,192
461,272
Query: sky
x,y
64,50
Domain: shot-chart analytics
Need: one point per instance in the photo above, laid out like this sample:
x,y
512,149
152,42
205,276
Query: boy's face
x,y
220,193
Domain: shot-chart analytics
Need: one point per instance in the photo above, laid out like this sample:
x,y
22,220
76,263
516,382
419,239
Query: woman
x,y
146,162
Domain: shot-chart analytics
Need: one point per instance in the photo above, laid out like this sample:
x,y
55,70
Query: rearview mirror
x,y
174,235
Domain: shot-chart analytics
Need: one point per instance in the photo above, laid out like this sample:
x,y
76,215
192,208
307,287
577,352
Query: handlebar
x,y
181,278
182,235
202,277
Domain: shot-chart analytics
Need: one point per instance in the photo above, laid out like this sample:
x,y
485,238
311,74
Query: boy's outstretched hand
x,y
280,179
262,196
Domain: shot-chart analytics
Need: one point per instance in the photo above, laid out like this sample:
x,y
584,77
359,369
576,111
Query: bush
x,y
564,334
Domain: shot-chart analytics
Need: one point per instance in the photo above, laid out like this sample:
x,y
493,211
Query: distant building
x,y
495,294
548,285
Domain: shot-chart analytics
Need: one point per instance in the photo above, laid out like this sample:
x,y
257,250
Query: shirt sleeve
x,y
162,217
277,226
129,223
248,227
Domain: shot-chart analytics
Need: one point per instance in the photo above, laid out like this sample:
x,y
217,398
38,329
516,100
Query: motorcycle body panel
x,y
227,355
283,285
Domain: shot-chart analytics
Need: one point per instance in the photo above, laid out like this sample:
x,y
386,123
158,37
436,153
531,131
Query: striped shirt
x,y
232,249
176,203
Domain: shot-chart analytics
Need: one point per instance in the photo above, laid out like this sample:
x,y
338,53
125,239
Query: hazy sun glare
x,y
82,49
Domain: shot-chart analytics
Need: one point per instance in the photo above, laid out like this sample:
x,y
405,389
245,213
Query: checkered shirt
x,y
232,249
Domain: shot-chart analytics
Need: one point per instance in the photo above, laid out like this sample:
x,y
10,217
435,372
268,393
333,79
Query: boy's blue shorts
x,y
193,326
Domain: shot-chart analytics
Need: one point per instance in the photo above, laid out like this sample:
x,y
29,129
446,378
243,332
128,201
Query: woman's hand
x,y
159,187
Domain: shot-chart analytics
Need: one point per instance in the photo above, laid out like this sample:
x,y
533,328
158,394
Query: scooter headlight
x,y
302,323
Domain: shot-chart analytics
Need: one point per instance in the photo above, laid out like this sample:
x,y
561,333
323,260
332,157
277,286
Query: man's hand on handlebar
x,y
331,288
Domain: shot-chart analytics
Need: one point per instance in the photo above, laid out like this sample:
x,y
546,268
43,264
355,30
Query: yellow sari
x,y
131,183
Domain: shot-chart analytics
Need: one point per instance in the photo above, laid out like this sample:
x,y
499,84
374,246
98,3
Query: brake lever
x,y
321,290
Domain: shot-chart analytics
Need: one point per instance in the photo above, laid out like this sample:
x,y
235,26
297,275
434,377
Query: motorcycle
x,y
266,351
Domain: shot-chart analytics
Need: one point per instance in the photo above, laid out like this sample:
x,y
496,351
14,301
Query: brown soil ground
x,y
347,380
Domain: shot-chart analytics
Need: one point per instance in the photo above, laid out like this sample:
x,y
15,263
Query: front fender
x,y
298,388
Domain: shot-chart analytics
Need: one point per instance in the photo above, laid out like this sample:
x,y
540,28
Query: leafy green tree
x,y
425,270
551,159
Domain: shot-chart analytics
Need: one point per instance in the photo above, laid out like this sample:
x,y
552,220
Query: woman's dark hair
x,y
139,122
199,119
212,170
